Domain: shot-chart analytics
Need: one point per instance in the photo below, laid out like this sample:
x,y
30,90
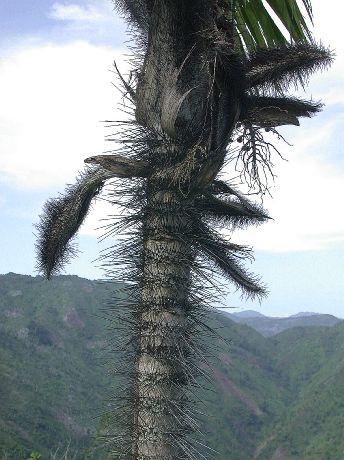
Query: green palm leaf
x,y
256,25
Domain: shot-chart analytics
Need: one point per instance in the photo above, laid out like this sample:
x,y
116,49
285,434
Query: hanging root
x,y
253,157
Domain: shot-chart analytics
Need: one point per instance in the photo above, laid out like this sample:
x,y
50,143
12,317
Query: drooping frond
x,y
276,69
269,112
61,219
227,257
230,212
256,27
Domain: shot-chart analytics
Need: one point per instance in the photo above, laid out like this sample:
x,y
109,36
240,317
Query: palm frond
x,y
62,218
269,112
227,257
276,69
257,25
233,213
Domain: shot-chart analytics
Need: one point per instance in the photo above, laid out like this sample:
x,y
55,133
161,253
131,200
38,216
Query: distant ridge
x,y
248,314
269,326
304,314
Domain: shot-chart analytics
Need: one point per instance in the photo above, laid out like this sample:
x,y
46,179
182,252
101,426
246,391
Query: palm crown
x,y
268,65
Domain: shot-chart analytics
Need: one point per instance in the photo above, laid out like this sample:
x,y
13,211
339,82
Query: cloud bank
x,y
77,13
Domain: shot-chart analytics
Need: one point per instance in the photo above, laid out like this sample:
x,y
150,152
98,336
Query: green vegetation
x,y
282,394
35,456
312,427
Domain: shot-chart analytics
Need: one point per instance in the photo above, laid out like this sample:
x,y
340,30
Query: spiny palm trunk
x,y
160,371
192,117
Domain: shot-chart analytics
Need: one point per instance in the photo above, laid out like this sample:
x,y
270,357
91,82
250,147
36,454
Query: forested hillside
x,y
272,398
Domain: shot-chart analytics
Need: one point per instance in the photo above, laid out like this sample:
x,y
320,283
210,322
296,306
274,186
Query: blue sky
x,y
55,88
40,21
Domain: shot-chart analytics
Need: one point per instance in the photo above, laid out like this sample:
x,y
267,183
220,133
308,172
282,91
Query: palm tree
x,y
206,73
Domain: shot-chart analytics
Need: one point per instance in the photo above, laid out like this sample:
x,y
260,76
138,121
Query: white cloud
x,y
74,12
52,101
94,21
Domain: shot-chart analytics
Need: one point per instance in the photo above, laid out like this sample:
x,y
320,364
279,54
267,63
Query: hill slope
x,y
48,336
312,427
54,384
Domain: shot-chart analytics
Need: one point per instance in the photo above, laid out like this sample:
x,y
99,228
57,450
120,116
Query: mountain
x,y
272,398
248,314
270,326
302,314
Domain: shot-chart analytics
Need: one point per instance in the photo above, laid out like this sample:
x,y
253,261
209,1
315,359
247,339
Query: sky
x,y
56,87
